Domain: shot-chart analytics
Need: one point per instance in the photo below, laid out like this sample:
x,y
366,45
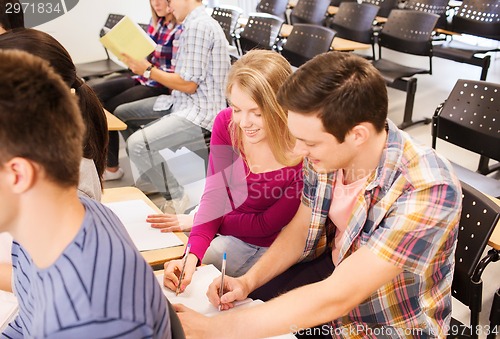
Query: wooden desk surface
x,y
495,236
338,44
114,124
154,257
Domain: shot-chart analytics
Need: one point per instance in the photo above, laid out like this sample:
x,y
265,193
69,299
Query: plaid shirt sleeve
x,y
419,225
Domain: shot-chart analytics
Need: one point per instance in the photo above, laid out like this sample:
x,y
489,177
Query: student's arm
x,y
353,281
6,277
283,253
171,80
269,222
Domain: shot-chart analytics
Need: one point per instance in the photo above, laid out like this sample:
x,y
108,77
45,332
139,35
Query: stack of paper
x,y
8,308
195,296
132,214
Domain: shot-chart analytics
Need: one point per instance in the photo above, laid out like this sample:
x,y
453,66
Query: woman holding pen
x,y
254,180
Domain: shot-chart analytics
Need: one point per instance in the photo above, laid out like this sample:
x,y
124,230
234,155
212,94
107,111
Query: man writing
x,y
376,229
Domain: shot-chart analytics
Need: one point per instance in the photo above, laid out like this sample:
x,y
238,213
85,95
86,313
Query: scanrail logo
x,y
40,12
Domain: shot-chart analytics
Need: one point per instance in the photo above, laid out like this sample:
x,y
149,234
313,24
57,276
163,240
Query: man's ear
x,y
359,134
21,173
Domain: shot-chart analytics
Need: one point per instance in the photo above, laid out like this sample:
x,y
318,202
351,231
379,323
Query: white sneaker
x,y
109,176
176,206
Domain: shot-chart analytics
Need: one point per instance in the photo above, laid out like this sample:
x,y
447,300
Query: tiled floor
x,y
432,90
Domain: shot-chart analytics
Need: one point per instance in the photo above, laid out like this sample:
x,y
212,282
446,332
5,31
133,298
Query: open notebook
x,y
195,296
132,214
8,308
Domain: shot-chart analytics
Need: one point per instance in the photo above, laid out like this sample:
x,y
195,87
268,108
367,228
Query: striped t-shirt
x,y
99,287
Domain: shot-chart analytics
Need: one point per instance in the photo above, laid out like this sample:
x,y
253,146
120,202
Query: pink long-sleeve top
x,y
252,207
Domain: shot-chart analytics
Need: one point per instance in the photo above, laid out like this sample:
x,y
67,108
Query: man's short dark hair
x,y
341,88
39,117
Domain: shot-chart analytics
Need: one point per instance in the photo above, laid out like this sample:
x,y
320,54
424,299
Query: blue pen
x,y
223,271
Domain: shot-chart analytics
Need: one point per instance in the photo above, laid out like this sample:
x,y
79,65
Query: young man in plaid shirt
x,y
375,234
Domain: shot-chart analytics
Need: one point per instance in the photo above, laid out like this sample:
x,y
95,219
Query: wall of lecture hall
x,y
78,30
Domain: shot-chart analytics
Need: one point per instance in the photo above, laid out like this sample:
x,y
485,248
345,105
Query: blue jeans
x,y
240,255
169,132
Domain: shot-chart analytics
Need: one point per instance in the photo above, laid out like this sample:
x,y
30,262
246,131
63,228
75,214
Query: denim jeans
x,y
169,132
240,255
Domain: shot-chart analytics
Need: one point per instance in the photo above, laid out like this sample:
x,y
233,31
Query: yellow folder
x,y
128,37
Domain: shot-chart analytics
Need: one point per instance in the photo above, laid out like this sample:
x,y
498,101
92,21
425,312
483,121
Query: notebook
x,y
133,213
195,296
8,309
128,37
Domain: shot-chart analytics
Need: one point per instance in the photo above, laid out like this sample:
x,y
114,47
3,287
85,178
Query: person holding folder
x,y
254,180
113,92
375,234
197,86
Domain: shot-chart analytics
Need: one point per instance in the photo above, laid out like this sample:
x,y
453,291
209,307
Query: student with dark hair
x,y
122,89
370,251
11,15
95,142
77,273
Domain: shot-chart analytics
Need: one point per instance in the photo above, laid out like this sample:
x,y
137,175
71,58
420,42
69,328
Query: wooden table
x,y
495,236
114,124
338,44
154,257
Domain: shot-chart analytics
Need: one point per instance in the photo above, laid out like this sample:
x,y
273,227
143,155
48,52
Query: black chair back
x,y
470,119
309,12
354,21
227,17
261,31
273,7
305,42
479,218
385,6
408,31
478,17
438,7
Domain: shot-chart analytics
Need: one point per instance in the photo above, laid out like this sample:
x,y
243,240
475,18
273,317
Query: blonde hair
x,y
169,18
260,74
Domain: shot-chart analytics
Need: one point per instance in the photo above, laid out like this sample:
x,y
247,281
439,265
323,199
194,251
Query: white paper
x,y
132,214
8,308
195,295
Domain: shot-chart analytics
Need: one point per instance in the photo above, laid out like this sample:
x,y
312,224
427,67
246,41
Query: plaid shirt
x,y
203,58
163,34
408,215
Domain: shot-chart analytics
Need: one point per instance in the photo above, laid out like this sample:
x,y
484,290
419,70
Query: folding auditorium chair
x,y
305,42
495,316
261,31
227,17
479,218
480,18
354,21
469,118
274,7
106,66
309,12
410,32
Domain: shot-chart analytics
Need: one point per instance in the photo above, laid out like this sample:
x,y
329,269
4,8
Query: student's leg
x,y
109,88
298,275
240,255
144,148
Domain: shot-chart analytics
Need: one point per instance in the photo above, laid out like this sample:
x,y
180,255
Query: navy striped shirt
x,y
100,287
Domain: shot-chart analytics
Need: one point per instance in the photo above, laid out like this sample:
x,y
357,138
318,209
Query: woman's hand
x,y
171,222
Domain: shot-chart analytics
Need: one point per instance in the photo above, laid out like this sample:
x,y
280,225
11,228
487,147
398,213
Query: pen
x,y
223,271
184,260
